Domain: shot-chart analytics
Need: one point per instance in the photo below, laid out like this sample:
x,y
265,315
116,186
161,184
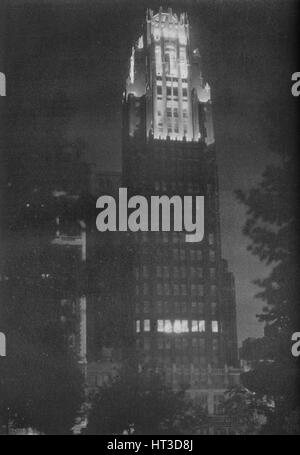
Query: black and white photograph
x,y
149,229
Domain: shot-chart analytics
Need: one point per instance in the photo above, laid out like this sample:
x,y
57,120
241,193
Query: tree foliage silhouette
x,y
141,404
272,229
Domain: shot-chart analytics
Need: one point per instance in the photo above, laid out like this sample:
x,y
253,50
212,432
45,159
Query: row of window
x,y
178,344
177,307
181,254
195,290
172,93
175,186
174,272
173,79
174,236
176,289
176,326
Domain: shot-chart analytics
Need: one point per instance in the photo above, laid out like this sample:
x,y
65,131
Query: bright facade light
x,y
131,73
141,42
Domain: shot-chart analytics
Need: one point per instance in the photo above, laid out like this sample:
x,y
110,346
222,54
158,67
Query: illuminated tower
x,y
184,309
167,72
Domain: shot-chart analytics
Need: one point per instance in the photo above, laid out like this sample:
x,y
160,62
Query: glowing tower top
x,y
166,73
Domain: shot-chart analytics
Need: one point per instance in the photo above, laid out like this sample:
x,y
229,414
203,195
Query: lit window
x,y
215,326
184,326
168,326
194,326
201,326
160,325
147,325
177,326
211,239
138,326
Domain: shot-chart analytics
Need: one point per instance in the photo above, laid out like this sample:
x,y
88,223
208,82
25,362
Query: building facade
x,y
184,302
71,244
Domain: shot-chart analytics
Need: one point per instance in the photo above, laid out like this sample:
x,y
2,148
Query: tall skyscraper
x,y
185,322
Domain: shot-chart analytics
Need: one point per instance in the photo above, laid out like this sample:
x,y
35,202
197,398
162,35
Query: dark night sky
x,y
81,48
